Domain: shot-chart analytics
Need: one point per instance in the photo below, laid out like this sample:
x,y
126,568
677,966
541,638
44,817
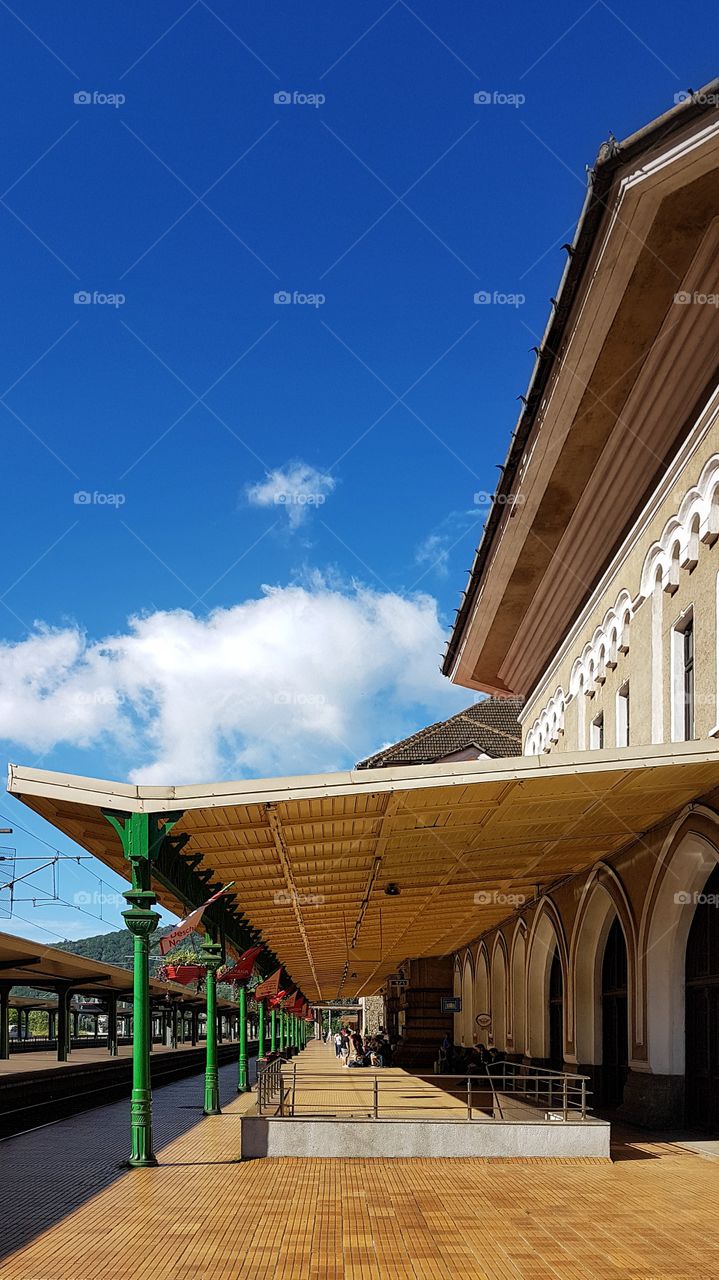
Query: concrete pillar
x,y
5,989
63,1022
112,1024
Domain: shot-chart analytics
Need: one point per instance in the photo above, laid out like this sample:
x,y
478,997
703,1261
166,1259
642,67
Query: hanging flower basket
x,y
184,973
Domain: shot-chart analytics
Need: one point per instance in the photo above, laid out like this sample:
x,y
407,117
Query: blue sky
x,y
235,526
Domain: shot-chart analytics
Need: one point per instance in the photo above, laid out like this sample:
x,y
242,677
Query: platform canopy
x,y
347,874
33,964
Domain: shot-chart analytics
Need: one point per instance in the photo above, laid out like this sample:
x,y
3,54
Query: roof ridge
x,y
460,718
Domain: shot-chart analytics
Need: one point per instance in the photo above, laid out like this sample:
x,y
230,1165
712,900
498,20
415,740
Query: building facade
x,y
594,598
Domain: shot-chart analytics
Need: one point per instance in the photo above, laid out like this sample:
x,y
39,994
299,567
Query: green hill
x,y
109,948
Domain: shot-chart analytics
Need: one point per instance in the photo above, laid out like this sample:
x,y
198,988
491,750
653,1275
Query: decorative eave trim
x,y
696,524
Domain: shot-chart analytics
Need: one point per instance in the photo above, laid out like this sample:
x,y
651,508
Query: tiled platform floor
x,y
323,1086
652,1215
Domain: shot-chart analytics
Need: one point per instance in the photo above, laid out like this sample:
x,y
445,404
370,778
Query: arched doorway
x,y
556,1014
481,1007
702,1011
467,1016
499,998
518,991
615,1048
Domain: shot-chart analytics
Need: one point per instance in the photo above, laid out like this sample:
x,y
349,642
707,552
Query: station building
x,y
561,888
594,601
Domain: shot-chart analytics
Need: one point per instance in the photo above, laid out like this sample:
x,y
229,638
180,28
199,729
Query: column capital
x,y
212,955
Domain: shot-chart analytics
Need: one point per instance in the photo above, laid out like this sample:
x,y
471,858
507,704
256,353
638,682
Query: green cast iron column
x,y
142,922
281,1030
273,1031
212,957
141,836
242,1080
261,1029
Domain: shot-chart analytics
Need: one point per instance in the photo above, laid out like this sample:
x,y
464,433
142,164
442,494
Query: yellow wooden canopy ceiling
x,y
312,857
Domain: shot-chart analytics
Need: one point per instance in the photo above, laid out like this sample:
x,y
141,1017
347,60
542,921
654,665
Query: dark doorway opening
x,y
556,1014
702,1011
615,1045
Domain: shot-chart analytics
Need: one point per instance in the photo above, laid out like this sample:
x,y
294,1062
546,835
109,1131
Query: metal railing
x,y
504,1090
270,1084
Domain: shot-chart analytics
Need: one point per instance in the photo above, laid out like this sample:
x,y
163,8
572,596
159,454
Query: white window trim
x,y
677,674
657,663
714,732
621,718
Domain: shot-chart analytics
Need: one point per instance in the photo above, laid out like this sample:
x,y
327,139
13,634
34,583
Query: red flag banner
x,y
269,988
242,970
188,925
274,1001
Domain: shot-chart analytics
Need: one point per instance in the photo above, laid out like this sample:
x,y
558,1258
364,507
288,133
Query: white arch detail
x,y
518,988
457,991
467,1015
500,988
603,901
546,934
482,995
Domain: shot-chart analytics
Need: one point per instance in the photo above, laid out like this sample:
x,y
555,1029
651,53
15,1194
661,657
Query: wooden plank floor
x,y
652,1215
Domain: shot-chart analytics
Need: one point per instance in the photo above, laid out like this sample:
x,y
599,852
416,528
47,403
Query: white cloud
x,y
296,487
434,553
301,679
435,550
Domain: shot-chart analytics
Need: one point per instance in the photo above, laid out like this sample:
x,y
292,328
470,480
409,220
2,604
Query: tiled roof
x,y
491,726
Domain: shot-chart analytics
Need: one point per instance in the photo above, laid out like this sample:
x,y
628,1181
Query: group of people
x,y
455,1059
356,1050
